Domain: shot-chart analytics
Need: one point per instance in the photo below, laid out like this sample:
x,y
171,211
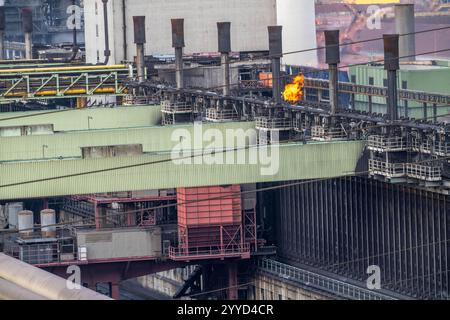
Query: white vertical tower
x,y
298,18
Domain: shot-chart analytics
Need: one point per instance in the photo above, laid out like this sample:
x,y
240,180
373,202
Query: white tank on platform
x,y
25,222
298,18
12,211
48,221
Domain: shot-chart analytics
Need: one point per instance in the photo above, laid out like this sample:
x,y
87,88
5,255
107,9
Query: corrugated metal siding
x,y
296,161
102,118
68,145
345,225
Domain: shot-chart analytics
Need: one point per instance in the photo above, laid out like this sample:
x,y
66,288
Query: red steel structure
x,y
211,224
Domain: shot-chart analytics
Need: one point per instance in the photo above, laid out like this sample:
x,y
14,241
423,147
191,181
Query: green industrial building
x,y
426,76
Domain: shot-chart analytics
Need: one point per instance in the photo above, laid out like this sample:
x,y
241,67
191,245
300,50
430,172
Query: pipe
x,y
178,44
124,23
41,282
11,291
139,40
391,65
224,37
27,24
107,52
2,33
276,52
405,24
333,59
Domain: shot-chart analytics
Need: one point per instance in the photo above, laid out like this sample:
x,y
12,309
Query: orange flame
x,y
293,92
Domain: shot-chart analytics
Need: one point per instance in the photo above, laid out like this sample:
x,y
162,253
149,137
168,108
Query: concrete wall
x,y
249,20
32,130
269,288
121,243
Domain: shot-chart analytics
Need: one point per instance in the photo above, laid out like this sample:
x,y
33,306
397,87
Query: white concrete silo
x,y
298,18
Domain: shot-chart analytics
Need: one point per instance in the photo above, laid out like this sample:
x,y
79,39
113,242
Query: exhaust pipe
x,y
405,24
107,52
224,37
391,65
276,52
333,59
2,33
27,24
178,44
139,40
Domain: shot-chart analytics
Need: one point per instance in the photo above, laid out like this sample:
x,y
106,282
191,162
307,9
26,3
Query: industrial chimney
x,y
224,37
276,52
2,33
391,65
405,24
178,44
332,59
139,40
27,24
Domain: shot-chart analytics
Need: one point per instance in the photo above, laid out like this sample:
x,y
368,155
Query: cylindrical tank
x,y
48,221
12,210
25,222
298,19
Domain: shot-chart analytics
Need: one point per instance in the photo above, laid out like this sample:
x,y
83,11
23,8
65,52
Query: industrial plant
x,y
194,150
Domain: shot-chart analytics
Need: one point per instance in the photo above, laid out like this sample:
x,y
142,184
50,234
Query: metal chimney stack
x,y
139,40
391,65
405,24
27,24
178,44
224,36
276,52
333,58
2,33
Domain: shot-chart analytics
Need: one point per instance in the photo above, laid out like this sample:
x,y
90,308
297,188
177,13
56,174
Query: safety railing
x,y
42,253
323,133
213,252
426,146
387,144
424,172
390,170
318,281
178,107
213,114
265,123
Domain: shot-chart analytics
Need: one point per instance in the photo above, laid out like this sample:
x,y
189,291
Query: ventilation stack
x,y
178,44
405,24
391,65
27,24
276,52
139,40
224,36
333,59
2,33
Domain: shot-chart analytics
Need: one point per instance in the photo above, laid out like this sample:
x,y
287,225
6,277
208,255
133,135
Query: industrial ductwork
x,y
405,24
140,40
2,32
224,38
391,65
107,52
178,44
276,52
333,59
27,25
24,281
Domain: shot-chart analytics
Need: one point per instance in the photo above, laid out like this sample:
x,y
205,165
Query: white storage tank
x,y
12,210
48,221
25,222
298,18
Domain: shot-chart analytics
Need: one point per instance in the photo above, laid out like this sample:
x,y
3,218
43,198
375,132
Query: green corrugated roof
x,y
99,118
68,144
297,162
